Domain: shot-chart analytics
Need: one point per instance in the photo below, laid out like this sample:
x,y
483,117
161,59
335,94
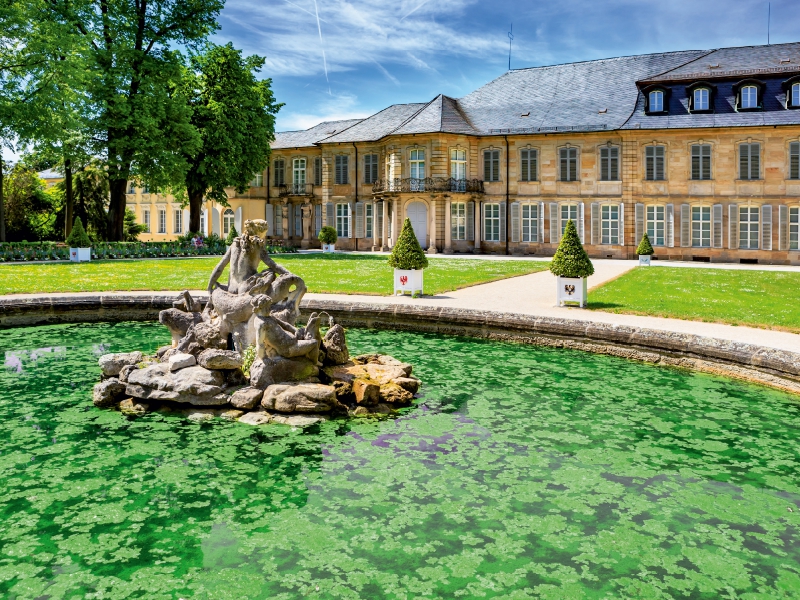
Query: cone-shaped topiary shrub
x,y
77,237
327,235
407,254
571,259
645,248
232,235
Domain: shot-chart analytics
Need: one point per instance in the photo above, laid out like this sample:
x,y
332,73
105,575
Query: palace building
x,y
700,149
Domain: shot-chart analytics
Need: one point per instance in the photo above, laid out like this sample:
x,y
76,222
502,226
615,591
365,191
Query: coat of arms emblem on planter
x,y
570,289
404,279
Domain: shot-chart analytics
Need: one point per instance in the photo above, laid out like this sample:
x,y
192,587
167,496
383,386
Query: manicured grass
x,y
765,299
337,273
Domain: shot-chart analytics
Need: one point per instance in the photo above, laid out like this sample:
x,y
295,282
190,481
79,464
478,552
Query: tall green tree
x,y
234,114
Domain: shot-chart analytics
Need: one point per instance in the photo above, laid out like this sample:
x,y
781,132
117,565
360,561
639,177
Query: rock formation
x,y
297,376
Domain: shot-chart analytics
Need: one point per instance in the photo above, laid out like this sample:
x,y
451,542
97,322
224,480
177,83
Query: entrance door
x,y
417,212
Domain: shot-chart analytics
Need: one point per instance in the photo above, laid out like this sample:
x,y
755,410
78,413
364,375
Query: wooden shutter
x,y
269,215
503,221
783,227
581,220
515,221
360,224
563,164
317,218
378,221
487,165
696,161
650,163
686,225
279,219
669,215
350,210
614,158
524,170
318,170
330,215
755,169
639,218
716,224
595,216
555,230
733,226
766,226
471,221
706,159
794,160
621,224
541,222
744,162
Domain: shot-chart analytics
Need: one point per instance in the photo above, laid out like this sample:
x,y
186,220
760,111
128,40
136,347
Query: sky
x,y
341,59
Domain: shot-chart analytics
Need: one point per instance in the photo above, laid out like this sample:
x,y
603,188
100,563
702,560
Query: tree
x,y
570,259
132,228
77,237
407,254
645,247
232,235
91,198
136,114
234,114
30,210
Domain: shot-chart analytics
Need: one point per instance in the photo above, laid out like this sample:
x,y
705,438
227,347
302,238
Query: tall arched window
x,y
701,99
749,97
227,221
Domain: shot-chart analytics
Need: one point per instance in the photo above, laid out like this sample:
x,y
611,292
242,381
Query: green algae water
x,y
521,473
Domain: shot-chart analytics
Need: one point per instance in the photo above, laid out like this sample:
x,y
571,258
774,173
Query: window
x,y
656,225
701,226
794,160
530,222
568,164
748,97
280,174
299,171
749,158
458,163
131,187
341,171
202,222
145,189
227,221
458,220
701,161
162,220
177,221
609,163
795,95
318,170
656,101
343,220
794,228
748,227
569,212
701,99
368,219
654,163
370,168
491,222
146,219
529,164
417,169
258,180
491,165
609,223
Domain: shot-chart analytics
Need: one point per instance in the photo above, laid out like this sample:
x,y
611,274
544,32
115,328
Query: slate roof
x,y
50,174
378,125
309,137
441,114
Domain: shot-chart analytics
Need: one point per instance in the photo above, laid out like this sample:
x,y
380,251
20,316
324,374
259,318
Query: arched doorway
x,y
417,212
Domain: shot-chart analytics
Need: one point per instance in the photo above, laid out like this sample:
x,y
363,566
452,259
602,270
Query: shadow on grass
x,y
603,305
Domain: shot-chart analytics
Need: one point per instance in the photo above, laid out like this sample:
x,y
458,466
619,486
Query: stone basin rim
x,y
752,362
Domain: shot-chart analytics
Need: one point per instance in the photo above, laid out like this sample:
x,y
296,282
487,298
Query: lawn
x,y
326,273
765,299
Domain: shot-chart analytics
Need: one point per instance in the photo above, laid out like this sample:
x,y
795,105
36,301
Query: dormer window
x,y
701,97
794,95
749,94
657,101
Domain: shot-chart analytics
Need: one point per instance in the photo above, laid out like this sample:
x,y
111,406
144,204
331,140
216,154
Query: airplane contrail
x,y
322,43
413,10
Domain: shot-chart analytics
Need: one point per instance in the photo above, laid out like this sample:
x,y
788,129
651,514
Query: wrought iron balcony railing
x,y
429,184
295,189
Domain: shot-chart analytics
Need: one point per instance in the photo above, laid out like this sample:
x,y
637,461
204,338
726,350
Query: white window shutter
x,y
581,221
541,222
783,227
503,221
621,224
766,227
279,220
733,226
317,218
686,225
594,209
470,221
377,220
716,216
269,215
360,225
350,211
670,225
330,215
515,221
555,230
639,216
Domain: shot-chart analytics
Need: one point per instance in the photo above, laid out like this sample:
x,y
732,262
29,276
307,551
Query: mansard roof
x,y
378,125
310,137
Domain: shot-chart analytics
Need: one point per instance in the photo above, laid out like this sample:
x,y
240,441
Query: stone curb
x,y
777,368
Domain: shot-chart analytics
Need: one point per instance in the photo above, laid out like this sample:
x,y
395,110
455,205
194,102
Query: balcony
x,y
429,184
295,189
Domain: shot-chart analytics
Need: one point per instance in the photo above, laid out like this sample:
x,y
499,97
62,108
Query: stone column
x,y
448,228
375,236
385,226
397,221
432,247
478,217
308,223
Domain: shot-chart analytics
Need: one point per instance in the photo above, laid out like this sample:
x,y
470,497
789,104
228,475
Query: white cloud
x,y
335,107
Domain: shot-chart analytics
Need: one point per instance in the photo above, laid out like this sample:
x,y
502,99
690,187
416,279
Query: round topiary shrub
x,y
407,254
232,235
327,235
77,237
645,247
571,259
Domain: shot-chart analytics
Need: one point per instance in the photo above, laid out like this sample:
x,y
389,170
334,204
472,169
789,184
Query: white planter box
x,y
407,281
571,290
80,254
329,247
644,260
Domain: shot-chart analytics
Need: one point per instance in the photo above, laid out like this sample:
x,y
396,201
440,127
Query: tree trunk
x,y
69,196
2,204
116,210
195,207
